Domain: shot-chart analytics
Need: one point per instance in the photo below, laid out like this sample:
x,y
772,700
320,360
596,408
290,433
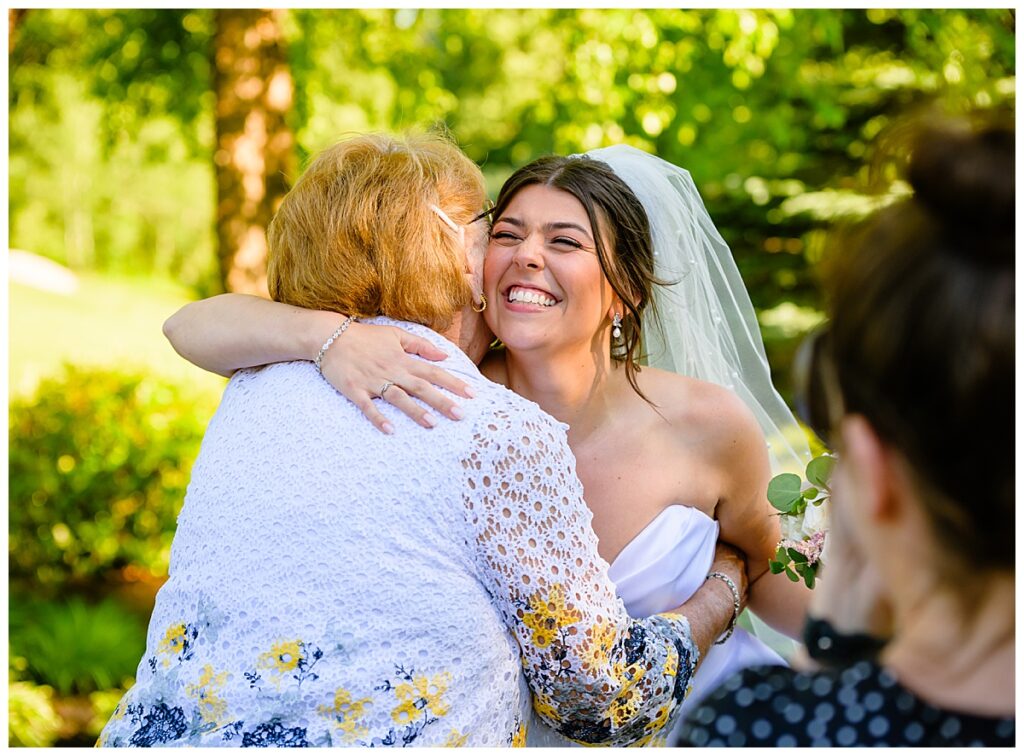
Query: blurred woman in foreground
x,y
913,383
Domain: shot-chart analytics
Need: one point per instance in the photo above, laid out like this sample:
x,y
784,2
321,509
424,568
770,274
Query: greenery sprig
x,y
800,550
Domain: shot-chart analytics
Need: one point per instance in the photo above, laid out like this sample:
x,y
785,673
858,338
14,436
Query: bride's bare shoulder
x,y
700,410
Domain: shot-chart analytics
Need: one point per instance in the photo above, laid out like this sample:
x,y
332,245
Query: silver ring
x,y
384,387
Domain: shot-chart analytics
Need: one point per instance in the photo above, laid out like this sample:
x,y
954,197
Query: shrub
x,y
31,718
75,647
99,463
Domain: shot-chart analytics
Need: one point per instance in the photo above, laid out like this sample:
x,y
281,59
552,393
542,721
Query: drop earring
x,y
617,326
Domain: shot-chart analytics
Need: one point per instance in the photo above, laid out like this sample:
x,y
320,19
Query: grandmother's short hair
x,y
356,234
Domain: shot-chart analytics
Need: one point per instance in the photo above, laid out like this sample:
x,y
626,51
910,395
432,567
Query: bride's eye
x,y
506,236
566,241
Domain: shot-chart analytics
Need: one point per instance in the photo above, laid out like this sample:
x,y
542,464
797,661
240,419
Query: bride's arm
x,y
748,521
233,331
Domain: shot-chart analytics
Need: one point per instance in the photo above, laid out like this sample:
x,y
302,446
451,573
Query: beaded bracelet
x,y
735,604
337,332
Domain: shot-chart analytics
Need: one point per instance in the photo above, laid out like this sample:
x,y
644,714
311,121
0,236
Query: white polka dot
x,y
914,732
705,715
822,686
763,692
817,728
846,696
737,740
878,726
904,701
846,736
794,713
854,713
699,736
873,701
733,683
725,724
801,682
1005,728
786,741
744,697
780,702
821,743
886,680
824,711
950,728
761,729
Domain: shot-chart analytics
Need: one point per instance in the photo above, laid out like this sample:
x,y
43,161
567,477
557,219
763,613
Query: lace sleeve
x,y
598,676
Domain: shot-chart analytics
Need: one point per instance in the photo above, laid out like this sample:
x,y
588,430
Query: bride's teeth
x,y
530,297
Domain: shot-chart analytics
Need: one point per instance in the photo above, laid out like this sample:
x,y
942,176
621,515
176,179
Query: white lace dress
x,y
658,570
331,585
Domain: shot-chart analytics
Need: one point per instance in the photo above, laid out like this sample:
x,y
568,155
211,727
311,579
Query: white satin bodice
x,y
659,569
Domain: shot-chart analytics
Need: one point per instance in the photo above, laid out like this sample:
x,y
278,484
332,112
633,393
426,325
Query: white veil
x,y
702,323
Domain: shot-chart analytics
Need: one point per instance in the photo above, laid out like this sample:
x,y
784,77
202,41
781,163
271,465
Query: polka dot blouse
x,y
862,705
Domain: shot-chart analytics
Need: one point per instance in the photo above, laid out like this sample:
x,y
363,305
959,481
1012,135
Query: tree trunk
x,y
254,145
14,16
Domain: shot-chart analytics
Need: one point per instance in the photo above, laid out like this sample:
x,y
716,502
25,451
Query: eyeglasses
x,y
489,208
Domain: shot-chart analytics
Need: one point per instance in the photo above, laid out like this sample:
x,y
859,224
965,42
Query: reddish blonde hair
x,y
356,233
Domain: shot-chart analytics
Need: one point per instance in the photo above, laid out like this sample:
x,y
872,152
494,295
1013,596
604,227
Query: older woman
x,y
318,597
582,250
915,386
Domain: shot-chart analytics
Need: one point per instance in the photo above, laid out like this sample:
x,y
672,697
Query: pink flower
x,y
810,547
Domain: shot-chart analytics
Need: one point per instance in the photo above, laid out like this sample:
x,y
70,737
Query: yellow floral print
x,y
172,643
597,646
421,695
544,706
455,740
519,737
671,664
347,713
546,615
282,657
211,706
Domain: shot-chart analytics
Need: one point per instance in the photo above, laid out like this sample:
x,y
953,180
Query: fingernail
x,y
457,412
468,391
429,421
388,428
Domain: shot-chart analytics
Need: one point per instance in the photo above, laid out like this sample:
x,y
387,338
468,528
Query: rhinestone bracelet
x,y
735,604
337,332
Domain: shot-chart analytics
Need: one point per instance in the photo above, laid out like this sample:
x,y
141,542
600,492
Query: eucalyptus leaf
x,y
819,470
784,492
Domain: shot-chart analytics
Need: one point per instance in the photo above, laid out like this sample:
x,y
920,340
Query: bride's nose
x,y
529,254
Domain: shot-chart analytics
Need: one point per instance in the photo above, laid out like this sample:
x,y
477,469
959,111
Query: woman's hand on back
x,y
367,357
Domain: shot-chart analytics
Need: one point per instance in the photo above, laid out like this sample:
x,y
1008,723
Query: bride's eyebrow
x,y
558,226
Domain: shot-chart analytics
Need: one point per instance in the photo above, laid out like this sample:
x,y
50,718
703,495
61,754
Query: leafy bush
x,y
76,647
31,718
99,462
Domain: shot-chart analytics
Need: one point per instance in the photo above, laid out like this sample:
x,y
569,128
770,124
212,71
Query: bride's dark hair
x,y
612,208
922,332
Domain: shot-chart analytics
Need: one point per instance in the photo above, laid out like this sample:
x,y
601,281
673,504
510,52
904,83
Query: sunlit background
x,y
148,150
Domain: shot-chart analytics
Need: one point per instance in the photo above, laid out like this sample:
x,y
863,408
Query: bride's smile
x,y
543,273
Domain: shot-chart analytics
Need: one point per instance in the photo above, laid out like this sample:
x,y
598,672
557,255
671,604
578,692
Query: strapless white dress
x,y
657,571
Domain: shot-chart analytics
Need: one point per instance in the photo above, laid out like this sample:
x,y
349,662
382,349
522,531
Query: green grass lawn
x,y
109,321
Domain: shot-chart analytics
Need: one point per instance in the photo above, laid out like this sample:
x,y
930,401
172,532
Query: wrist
x,y
319,327
731,595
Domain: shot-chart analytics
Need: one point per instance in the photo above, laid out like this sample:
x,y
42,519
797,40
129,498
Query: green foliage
x,y
799,552
784,492
31,719
76,647
99,463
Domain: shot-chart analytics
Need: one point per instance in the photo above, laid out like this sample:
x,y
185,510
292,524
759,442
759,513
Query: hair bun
x,y
965,177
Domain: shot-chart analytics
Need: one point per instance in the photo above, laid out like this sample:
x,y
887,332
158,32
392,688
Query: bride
x,y
589,257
